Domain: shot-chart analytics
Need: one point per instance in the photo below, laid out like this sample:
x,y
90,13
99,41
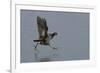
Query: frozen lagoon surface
x,y
47,54
72,40
50,54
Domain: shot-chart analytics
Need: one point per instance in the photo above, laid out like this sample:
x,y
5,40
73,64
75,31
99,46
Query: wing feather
x,y
42,27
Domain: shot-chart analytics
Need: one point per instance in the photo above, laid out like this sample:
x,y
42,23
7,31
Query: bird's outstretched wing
x,y
42,27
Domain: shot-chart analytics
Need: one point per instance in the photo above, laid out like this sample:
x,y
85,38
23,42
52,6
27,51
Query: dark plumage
x,y
44,36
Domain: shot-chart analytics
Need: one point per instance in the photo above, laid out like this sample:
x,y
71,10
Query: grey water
x,y
50,54
72,39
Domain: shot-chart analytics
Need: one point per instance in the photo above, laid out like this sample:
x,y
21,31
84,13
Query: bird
x,y
44,37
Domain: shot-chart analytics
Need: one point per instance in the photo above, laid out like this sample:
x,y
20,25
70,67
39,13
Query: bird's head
x,y
54,34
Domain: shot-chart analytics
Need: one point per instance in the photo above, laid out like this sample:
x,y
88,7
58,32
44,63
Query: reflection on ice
x,y
46,54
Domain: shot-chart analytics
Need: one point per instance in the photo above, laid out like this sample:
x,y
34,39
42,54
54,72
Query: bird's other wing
x,y
42,27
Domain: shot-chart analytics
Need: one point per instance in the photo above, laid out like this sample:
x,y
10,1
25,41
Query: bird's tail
x,y
37,40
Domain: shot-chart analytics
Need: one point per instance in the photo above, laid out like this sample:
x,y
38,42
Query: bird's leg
x,y
36,52
36,47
